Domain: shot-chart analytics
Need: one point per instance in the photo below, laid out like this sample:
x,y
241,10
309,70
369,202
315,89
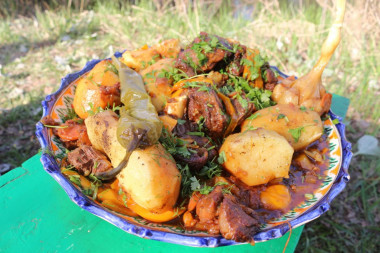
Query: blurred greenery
x,y
42,41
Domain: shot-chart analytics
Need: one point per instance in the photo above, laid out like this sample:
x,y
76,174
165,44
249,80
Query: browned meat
x,y
88,160
208,204
249,196
207,105
187,60
271,80
235,67
110,93
72,133
234,222
243,109
203,54
201,149
198,158
48,120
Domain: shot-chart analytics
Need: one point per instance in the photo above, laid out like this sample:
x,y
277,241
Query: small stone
x,y
66,38
23,49
4,168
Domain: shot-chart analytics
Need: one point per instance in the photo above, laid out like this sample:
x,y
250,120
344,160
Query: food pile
x,y
206,135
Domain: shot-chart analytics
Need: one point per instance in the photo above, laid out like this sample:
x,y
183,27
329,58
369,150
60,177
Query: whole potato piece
x,y
140,59
101,130
257,156
151,178
168,48
104,73
299,127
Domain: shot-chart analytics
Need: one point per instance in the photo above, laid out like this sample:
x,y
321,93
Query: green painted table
x,y
37,216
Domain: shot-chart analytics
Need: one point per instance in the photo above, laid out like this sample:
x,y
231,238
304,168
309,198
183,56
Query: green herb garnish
x,y
282,116
222,157
296,133
254,116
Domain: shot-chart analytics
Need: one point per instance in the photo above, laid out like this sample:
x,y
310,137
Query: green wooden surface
x,y
37,216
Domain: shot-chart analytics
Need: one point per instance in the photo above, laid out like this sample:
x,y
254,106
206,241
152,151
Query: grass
x,y
38,49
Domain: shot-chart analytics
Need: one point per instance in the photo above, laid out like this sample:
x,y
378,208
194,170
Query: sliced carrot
x,y
193,201
259,83
251,53
109,194
146,214
71,132
231,111
115,206
155,217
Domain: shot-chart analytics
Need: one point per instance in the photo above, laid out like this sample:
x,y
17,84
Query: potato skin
x,y
270,118
151,178
257,156
101,130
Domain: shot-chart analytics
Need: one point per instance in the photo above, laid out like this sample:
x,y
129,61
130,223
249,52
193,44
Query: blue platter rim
x,y
51,166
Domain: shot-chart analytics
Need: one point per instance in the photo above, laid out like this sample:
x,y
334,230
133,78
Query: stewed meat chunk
x,y
88,160
206,105
234,222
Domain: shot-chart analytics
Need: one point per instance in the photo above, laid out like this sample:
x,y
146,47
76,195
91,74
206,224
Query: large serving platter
x,y
334,179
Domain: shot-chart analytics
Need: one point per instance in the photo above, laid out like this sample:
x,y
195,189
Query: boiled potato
x,y
89,95
104,73
159,89
141,58
299,127
101,130
151,178
168,48
256,156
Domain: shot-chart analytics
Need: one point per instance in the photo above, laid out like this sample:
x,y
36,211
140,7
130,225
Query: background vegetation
x,y
42,41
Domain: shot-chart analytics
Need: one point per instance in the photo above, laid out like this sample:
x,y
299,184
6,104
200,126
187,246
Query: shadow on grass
x,y
17,127
12,51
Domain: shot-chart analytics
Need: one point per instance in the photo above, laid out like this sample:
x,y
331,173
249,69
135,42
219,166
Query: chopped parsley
x,y
173,144
75,179
173,73
222,157
112,68
202,134
282,116
254,116
296,133
253,66
181,121
210,170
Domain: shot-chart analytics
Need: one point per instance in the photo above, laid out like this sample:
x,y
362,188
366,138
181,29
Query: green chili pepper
x,y
139,124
